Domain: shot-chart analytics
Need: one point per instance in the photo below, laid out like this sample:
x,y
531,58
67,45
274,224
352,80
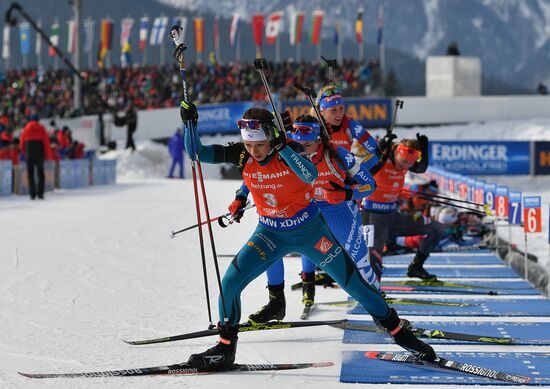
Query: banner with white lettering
x,y
222,117
481,157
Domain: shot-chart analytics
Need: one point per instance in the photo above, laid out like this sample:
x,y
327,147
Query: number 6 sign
x,y
531,214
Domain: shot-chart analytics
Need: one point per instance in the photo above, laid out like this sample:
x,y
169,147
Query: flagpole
x,y
217,39
277,50
76,55
162,53
39,53
382,54
89,36
298,52
161,43
238,47
319,48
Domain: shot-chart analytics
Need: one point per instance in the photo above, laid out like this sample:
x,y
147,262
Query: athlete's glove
x,y
338,194
188,112
236,208
279,140
386,141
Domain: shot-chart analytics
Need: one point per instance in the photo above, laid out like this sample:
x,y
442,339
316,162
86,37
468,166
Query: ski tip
x,y
371,354
29,375
323,364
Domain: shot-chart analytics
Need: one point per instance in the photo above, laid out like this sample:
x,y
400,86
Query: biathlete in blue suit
x,y
280,180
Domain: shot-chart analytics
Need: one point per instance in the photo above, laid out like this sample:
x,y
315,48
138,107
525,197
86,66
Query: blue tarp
x,y
524,333
356,368
538,307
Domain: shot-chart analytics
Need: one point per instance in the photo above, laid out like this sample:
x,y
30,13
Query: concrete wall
x,y
448,76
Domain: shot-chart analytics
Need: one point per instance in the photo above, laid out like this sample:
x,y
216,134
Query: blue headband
x,y
330,101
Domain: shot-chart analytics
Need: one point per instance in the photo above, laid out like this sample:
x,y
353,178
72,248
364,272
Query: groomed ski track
x,y
86,268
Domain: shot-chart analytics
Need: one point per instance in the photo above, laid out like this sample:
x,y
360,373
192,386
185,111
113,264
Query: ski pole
x,y
261,64
442,197
221,221
177,33
331,63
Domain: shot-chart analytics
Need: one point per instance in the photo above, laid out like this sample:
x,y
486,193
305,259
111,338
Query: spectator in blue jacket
x,y
175,147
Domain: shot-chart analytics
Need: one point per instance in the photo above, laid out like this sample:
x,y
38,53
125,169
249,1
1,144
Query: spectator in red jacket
x,y
64,141
77,150
6,137
53,155
10,152
35,145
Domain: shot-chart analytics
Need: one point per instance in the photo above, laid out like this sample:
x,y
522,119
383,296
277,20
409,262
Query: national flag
x,y
106,36
199,34
126,25
71,33
380,24
24,37
317,22
125,55
359,26
216,33
273,27
38,42
296,27
258,28
89,25
143,32
158,31
233,29
54,38
6,42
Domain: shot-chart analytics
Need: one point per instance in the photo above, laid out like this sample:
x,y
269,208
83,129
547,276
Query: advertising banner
x,y
481,157
370,113
542,158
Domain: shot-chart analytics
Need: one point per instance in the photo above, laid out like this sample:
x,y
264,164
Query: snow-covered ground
x,y
86,268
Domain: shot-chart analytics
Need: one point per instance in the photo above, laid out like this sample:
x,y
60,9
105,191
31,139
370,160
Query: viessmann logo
x,y
324,245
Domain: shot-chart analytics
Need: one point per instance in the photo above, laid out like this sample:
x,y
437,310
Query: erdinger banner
x,y
481,157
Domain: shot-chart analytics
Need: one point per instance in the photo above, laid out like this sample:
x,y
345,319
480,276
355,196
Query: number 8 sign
x,y
531,214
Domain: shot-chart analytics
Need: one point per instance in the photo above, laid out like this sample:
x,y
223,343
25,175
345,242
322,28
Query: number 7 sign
x,y
531,214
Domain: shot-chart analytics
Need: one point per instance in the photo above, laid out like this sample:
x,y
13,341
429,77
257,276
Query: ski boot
x,y
416,268
221,355
275,308
308,288
403,337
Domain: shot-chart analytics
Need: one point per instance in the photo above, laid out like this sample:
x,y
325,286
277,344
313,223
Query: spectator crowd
x,y
49,93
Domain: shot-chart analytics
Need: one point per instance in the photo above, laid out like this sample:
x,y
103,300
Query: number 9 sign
x,y
531,214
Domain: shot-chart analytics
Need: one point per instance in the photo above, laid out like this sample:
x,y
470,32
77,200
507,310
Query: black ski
x,y
342,324
427,333
450,365
245,327
181,369
400,301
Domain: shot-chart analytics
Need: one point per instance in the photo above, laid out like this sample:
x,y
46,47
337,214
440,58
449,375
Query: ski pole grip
x,y
307,91
260,63
329,62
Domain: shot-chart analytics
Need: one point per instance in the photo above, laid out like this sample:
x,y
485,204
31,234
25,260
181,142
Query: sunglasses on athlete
x,y
408,153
